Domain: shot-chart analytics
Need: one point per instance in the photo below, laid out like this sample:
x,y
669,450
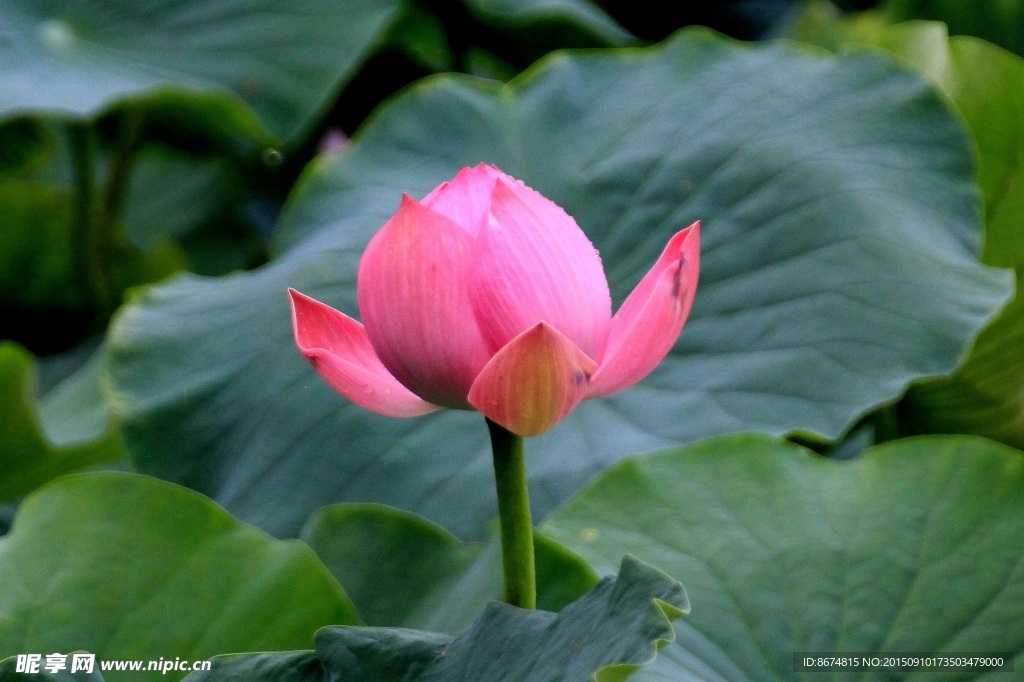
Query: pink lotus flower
x,y
485,295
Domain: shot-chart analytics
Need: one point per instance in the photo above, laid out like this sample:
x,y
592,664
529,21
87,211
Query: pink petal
x,y
532,263
534,382
336,345
465,199
412,286
647,325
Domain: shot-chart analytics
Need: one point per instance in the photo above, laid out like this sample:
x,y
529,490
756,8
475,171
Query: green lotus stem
x,y
97,213
128,138
516,524
92,275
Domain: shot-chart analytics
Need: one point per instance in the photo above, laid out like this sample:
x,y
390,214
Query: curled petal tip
x,y
339,350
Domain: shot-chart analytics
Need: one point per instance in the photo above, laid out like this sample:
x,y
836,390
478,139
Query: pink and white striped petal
x,y
533,382
650,320
413,297
338,348
532,263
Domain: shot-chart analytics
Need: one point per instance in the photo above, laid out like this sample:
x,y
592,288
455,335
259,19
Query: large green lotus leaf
x,y
838,264
563,16
42,256
285,59
983,81
177,198
128,567
287,666
197,203
68,431
170,195
999,21
608,634
821,23
986,395
915,546
46,255
520,30
401,570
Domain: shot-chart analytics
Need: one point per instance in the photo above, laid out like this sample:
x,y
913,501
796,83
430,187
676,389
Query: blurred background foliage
x,y
110,180
132,148
109,186
142,141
